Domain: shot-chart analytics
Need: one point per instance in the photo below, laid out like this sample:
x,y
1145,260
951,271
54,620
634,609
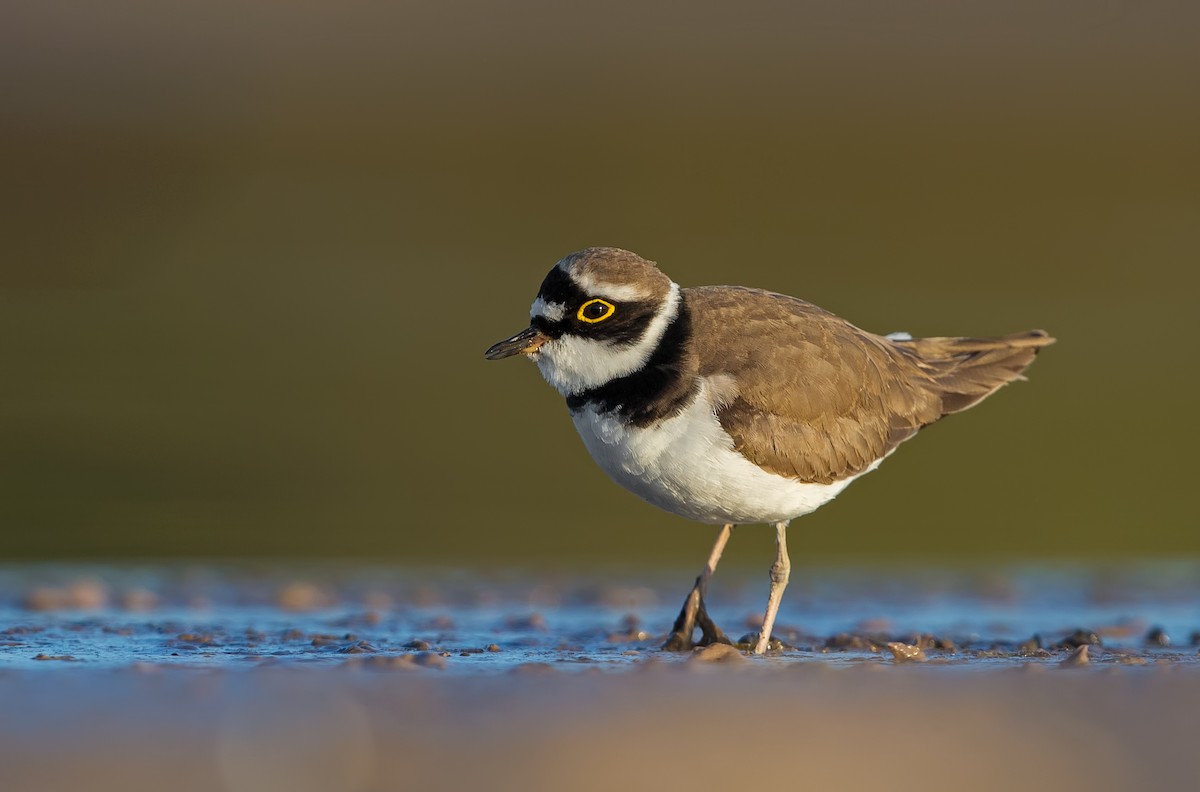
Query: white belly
x,y
687,465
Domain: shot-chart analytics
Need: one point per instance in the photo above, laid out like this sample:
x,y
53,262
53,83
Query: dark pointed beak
x,y
523,343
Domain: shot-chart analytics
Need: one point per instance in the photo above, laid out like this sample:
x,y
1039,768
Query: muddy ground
x,y
371,678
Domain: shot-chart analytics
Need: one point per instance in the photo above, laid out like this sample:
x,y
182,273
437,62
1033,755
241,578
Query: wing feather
x,y
817,399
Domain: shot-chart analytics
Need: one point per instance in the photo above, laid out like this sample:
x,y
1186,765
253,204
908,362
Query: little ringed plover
x,y
729,405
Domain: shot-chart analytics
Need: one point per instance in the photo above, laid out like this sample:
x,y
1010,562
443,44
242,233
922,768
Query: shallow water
x,y
235,617
365,678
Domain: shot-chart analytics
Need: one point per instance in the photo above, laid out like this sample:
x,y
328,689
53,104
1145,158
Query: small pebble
x,y
716,653
1079,638
1077,658
627,636
1157,637
358,647
493,647
906,653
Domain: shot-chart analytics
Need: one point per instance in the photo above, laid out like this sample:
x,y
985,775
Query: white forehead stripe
x,y
554,311
622,292
617,292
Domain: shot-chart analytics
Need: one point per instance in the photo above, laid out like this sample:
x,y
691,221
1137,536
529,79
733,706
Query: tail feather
x,y
964,371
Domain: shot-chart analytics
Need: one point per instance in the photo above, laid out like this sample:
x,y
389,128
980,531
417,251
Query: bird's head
x,y
598,316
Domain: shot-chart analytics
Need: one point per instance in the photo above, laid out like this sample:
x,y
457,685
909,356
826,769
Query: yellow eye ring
x,y
609,310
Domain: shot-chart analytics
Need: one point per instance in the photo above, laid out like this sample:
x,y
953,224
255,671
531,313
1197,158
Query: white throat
x,y
574,365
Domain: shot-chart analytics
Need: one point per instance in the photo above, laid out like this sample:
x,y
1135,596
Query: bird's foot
x,y
678,642
710,633
680,639
693,615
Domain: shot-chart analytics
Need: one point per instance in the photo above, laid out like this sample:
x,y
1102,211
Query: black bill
x,y
524,342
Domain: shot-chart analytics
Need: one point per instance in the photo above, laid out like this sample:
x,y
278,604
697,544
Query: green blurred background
x,y
252,253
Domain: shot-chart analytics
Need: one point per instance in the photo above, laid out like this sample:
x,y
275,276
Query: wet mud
x,y
365,678
489,622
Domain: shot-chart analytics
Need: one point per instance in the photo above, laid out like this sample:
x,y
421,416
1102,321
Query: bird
x,y
731,405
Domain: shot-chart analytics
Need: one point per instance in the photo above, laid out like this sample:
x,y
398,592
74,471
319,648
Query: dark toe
x,y
678,642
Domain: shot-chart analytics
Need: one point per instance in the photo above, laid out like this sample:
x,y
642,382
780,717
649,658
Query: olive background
x,y
252,253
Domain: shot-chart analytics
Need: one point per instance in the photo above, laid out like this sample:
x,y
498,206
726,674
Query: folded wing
x,y
807,395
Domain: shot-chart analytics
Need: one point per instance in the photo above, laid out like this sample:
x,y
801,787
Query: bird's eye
x,y
594,311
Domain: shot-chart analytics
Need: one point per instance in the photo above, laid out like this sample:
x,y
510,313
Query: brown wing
x,y
818,399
